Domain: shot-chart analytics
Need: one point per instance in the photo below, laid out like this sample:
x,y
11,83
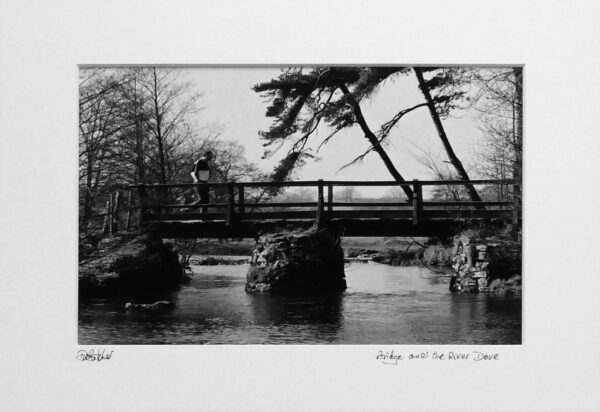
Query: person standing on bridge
x,y
201,173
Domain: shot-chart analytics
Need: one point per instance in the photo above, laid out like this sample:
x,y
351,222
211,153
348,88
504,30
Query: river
x,y
382,305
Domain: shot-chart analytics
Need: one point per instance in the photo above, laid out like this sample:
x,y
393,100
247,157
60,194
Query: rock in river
x,y
305,262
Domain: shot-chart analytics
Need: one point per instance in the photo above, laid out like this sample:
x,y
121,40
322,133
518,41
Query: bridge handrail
x,y
339,204
324,206
316,183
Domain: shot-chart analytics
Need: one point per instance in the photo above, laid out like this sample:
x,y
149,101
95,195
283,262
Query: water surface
x,y
382,305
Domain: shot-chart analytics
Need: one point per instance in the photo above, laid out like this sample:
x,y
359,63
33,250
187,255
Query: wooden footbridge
x,y
240,212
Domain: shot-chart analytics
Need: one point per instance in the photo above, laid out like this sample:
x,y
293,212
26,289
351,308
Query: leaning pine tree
x,y
301,100
443,91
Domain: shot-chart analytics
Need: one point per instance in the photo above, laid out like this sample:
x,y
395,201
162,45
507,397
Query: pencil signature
x,y
92,355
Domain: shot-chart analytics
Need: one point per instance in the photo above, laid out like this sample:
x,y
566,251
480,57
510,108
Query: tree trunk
x,y
139,137
375,143
159,137
462,173
517,170
88,200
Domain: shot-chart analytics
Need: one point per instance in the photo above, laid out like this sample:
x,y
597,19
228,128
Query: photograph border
x,y
556,367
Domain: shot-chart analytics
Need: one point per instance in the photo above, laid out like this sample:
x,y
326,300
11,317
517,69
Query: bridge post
x,y
417,201
409,196
320,204
128,210
329,198
143,203
106,223
230,204
241,207
115,214
516,206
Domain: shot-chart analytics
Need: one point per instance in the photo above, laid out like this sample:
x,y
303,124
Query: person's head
x,y
209,155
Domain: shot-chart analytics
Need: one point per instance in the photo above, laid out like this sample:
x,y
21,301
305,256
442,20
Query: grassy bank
x,y
210,247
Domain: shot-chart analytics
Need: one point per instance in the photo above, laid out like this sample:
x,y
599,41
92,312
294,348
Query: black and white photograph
x,y
300,205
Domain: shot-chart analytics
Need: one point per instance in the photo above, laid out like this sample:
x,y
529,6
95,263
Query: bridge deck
x,y
351,227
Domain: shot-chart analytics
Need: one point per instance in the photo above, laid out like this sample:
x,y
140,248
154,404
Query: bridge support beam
x,y
352,227
320,219
230,207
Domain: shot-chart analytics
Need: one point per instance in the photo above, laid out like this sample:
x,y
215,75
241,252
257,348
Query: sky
x,y
240,112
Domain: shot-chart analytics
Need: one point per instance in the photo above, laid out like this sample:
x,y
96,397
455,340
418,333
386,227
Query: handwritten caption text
x,y
393,358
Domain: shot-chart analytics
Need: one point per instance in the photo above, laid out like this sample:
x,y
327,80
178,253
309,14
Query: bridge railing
x,y
234,205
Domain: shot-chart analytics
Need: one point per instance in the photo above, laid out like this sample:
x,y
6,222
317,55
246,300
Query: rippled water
x,y
382,305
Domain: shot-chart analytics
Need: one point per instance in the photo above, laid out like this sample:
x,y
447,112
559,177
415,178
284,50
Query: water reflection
x,y
326,309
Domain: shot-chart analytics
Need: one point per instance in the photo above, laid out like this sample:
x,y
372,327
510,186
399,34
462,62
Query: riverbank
x,y
395,251
398,251
245,246
353,246
128,266
391,251
214,260
216,247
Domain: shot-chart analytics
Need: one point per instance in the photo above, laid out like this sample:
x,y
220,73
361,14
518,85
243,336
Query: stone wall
x,y
310,262
480,266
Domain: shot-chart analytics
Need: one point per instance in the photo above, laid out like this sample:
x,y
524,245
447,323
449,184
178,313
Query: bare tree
x,y
499,102
172,103
135,126
100,105
441,171
348,194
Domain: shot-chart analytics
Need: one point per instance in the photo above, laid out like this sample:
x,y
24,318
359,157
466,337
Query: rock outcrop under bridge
x,y
304,262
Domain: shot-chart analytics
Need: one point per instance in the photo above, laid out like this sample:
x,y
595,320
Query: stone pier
x,y
305,262
483,266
